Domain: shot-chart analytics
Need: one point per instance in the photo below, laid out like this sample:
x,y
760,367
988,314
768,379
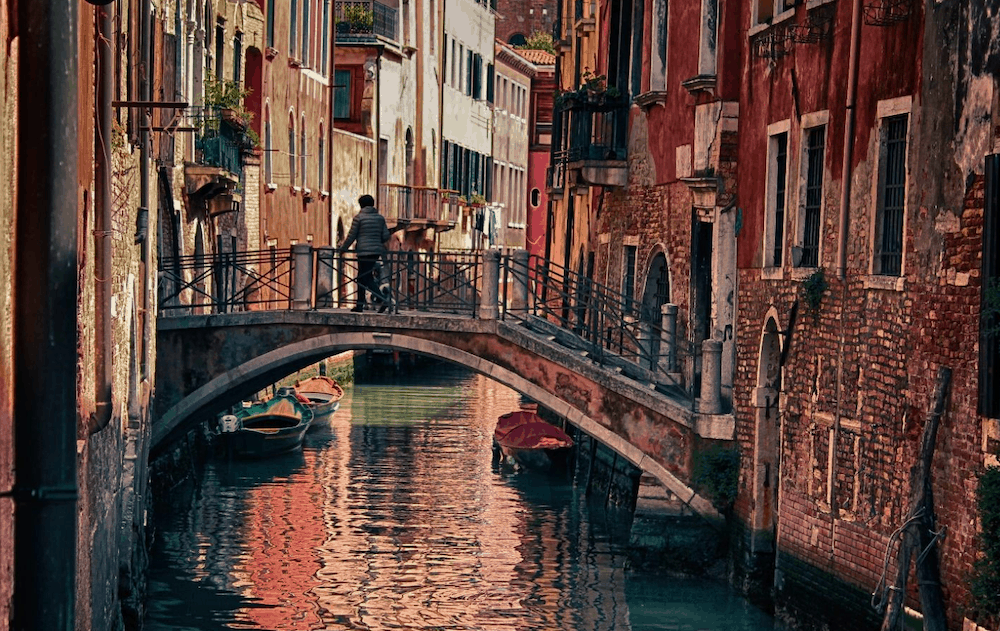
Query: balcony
x,y
213,180
366,22
596,128
418,207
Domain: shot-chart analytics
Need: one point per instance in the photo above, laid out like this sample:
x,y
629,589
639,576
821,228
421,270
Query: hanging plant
x,y
813,289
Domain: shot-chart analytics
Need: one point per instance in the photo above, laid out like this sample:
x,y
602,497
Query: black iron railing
x,y
597,126
226,282
608,327
220,142
363,20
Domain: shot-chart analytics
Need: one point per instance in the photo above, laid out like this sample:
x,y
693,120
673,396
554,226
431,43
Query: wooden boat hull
x,y
524,439
272,427
322,395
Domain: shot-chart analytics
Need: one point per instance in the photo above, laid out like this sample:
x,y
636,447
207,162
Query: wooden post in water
x,y
918,530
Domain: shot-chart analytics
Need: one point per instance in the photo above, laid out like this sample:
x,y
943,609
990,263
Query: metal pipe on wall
x,y
102,221
45,318
845,185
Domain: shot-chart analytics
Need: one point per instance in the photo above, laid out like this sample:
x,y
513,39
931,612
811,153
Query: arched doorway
x,y
767,445
655,294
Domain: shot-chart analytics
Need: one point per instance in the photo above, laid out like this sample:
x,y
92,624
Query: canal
x,y
392,516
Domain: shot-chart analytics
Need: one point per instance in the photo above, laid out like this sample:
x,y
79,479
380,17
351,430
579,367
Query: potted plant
x,y
227,97
360,17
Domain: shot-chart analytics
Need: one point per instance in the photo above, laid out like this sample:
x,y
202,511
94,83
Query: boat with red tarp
x,y
523,438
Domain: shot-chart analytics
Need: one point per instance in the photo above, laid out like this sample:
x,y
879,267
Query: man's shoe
x,y
358,309
383,307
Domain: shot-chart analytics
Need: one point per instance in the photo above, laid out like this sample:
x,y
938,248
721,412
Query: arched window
x,y
303,154
517,39
291,148
305,39
268,174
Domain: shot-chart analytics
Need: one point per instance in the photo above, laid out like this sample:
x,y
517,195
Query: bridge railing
x,y
610,328
607,327
448,282
226,282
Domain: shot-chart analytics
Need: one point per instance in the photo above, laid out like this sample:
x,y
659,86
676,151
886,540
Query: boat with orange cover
x,y
524,439
322,393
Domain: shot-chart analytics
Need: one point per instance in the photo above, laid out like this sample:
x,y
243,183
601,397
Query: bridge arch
x,y
254,374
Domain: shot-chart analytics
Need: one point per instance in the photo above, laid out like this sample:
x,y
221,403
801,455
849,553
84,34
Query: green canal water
x,y
392,516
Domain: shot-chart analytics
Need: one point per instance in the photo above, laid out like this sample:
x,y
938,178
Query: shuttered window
x,y
989,324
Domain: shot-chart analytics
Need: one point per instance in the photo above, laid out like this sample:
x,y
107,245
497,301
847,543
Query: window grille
x,y
781,171
816,146
893,197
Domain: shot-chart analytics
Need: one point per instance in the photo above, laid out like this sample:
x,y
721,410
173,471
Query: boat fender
x,y
229,424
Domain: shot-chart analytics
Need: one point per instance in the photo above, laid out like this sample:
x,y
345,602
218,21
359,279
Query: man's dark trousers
x,y
366,278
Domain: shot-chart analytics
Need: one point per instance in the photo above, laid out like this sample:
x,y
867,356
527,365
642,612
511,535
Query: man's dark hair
x,y
366,200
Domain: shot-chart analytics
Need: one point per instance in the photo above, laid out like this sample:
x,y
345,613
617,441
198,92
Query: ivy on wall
x,y
985,581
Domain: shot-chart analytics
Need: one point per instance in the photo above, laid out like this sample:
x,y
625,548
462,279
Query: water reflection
x,y
391,517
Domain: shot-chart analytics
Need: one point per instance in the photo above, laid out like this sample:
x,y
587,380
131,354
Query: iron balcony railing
x,y
401,203
220,143
596,128
365,20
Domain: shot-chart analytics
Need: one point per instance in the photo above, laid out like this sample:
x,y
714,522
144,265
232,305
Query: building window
x,y
890,213
237,56
268,175
270,23
989,314
326,37
293,22
342,94
305,35
628,275
303,154
766,10
777,182
811,218
321,159
220,50
291,148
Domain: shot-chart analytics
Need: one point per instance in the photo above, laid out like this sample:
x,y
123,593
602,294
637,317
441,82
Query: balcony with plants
x,y
365,22
222,139
593,132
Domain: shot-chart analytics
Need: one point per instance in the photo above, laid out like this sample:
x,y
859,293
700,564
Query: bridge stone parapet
x,y
207,362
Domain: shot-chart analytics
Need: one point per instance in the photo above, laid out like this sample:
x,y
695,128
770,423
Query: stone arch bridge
x,y
208,361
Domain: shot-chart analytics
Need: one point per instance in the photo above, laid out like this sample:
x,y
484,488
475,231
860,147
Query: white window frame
x,y
808,123
770,196
889,108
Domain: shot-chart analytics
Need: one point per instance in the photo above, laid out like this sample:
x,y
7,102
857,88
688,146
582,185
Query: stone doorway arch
x,y
767,441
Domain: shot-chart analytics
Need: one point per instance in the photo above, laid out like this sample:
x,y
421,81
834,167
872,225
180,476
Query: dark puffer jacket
x,y
370,231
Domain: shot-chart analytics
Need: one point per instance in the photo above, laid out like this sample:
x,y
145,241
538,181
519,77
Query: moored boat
x,y
267,427
323,394
525,439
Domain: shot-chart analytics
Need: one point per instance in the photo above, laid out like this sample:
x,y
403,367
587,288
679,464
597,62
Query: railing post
x,y
519,270
303,276
488,309
668,338
646,359
324,276
711,377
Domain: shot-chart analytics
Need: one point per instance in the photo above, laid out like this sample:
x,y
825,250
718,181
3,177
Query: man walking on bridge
x,y
371,233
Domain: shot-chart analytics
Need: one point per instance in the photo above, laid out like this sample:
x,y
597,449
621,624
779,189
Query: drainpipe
x,y
142,217
845,205
45,318
378,129
102,223
332,28
852,90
